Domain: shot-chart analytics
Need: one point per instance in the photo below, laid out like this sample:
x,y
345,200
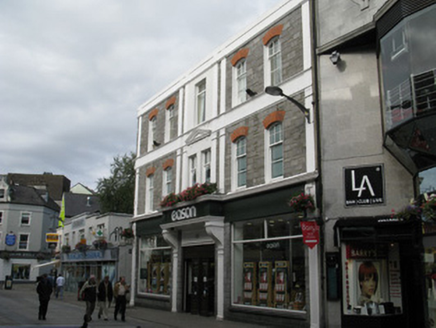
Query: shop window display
x,y
269,264
21,271
371,279
154,266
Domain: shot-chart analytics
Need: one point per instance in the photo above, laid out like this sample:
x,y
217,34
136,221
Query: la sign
x,y
184,213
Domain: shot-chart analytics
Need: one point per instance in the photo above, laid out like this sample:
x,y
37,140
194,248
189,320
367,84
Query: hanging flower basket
x,y
81,247
66,249
40,256
409,212
100,244
429,207
127,233
5,255
302,203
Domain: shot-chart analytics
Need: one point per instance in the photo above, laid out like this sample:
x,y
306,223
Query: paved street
x,y
19,308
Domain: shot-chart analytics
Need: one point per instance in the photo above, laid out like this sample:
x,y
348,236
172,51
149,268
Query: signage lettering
x,y
184,213
310,231
364,186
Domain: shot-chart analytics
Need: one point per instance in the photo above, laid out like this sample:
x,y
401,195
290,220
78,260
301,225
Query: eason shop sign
x,y
184,213
364,185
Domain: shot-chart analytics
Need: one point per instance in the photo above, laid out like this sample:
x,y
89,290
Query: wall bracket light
x,y
335,57
276,91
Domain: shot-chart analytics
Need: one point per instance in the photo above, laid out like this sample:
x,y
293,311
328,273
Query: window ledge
x,y
301,315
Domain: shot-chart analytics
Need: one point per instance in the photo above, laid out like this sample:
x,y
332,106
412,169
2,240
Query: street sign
x,y
10,239
310,231
51,237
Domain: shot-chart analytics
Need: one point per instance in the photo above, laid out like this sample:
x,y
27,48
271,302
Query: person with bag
x,y
105,295
89,290
120,291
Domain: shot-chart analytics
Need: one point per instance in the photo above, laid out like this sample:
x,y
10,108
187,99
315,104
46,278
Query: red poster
x,y
310,233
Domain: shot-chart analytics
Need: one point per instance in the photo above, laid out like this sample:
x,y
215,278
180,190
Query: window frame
x,y
240,82
29,217
206,157
200,101
269,162
170,115
273,50
167,181
192,165
1,217
27,241
149,194
152,124
236,160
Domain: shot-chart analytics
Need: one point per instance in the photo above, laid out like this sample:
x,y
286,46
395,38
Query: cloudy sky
x,y
74,72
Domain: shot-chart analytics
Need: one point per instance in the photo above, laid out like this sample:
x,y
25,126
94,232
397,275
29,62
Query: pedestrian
x,y
89,290
60,282
44,290
105,295
120,291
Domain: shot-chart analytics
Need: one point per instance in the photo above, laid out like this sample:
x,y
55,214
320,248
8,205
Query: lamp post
x,y
276,91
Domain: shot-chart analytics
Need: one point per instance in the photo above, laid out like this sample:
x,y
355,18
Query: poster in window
x,y
250,283
265,284
368,282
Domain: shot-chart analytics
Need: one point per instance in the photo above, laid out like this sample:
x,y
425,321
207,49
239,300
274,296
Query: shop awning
x,y
45,264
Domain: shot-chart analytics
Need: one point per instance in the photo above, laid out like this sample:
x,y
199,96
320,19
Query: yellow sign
x,y
51,237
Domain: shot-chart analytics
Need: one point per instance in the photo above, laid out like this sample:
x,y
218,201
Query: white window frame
x,y
273,75
236,159
240,82
193,176
200,101
21,219
167,181
268,155
206,156
169,118
27,242
151,133
149,194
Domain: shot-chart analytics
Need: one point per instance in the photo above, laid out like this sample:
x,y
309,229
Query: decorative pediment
x,y
198,135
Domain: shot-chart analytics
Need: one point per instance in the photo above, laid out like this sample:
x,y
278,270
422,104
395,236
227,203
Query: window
x,y
276,150
269,261
152,133
168,181
25,218
170,128
241,161
149,194
371,277
201,101
241,81
193,169
1,217
275,61
2,193
21,271
206,165
154,266
23,242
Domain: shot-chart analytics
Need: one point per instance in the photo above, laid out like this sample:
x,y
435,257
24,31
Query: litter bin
x,y
8,282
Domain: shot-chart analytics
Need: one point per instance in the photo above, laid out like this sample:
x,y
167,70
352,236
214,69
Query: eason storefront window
x,y
371,279
269,261
154,266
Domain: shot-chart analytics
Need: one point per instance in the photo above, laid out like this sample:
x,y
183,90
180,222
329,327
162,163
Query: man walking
x,y
89,290
60,282
105,295
44,290
120,291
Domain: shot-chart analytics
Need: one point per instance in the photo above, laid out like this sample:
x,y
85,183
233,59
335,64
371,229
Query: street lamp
x,y
276,91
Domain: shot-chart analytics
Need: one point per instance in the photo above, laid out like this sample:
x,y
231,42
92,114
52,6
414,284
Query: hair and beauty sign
x,y
310,231
364,185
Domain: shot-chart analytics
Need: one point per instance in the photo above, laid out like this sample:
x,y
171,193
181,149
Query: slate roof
x,y
76,204
30,196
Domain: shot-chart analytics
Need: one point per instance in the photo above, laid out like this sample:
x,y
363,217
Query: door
x,y
200,282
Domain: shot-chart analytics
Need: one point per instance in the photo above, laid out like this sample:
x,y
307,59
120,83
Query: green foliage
x,y
118,191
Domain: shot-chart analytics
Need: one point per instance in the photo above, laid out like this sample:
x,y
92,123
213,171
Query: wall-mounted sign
x,y
310,231
184,213
364,185
51,237
10,239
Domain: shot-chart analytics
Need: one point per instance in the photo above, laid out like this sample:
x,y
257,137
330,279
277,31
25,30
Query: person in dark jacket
x,y
44,290
89,290
105,294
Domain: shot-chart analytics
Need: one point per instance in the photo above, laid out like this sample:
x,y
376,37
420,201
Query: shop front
x,y
381,272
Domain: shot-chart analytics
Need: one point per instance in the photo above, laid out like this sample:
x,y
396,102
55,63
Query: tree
x,y
117,192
